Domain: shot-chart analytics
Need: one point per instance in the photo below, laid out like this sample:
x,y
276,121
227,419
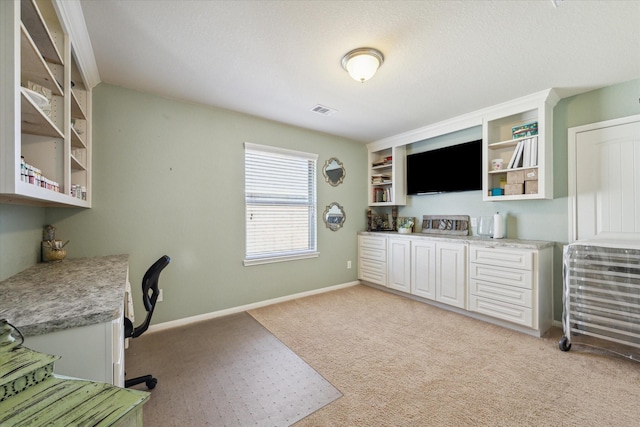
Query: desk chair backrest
x,y
150,294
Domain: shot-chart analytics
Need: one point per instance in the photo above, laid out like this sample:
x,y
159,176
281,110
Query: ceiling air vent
x,y
325,111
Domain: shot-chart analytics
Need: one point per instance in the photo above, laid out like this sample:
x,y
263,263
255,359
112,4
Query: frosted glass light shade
x,y
362,63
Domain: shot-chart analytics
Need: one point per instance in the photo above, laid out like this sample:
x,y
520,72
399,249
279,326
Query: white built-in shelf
x,y
35,121
37,54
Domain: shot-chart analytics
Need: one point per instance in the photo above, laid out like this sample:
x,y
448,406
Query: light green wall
x,y
20,236
612,102
168,178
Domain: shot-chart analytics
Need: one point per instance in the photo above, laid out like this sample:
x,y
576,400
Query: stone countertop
x,y
48,297
472,240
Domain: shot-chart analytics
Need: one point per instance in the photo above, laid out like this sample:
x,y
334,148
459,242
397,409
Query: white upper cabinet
x,y
46,109
525,122
517,160
387,177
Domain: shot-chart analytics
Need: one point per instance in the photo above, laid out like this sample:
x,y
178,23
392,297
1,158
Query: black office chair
x,y
150,294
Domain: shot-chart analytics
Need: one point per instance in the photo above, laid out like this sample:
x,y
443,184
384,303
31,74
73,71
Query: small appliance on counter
x,y
492,226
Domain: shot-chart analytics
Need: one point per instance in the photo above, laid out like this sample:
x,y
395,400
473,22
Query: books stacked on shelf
x,y
386,161
381,179
381,195
525,154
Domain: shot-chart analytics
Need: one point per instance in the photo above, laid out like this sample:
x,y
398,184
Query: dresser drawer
x,y
373,254
372,271
504,276
372,242
503,293
504,311
502,257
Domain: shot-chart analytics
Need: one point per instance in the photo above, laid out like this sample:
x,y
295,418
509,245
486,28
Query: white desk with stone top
x,y
74,309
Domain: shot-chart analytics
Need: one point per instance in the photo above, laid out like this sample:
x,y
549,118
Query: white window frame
x,y
256,196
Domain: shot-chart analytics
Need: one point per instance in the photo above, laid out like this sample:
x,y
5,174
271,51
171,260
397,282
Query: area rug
x,y
228,371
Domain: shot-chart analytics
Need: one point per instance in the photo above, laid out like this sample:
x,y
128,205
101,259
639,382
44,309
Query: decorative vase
x,y
52,251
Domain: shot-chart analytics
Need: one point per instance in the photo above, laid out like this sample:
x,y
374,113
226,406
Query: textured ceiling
x,y
278,59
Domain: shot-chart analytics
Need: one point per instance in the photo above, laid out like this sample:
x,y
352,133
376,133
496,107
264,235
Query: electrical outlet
x,y
160,296
474,222
348,264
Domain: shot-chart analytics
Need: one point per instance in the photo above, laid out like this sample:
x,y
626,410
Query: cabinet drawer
x,y
501,310
505,276
373,254
372,242
503,293
372,271
503,257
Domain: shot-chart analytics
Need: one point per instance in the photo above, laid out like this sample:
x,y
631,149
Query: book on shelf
x,y
526,153
381,195
534,151
518,161
531,147
512,162
386,161
381,179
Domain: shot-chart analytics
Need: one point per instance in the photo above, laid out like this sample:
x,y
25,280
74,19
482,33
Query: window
x,y
280,204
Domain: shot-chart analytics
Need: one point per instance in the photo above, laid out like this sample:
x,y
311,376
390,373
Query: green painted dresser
x,y
32,395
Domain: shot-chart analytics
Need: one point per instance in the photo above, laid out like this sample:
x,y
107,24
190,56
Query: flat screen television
x,y
444,170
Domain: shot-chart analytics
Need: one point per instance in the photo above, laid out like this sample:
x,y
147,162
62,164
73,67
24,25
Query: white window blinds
x,y
280,204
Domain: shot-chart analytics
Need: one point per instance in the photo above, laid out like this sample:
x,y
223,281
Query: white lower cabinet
x,y
423,268
399,264
93,352
439,271
504,282
451,273
372,259
511,284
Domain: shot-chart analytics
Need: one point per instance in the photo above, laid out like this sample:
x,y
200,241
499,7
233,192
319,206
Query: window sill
x,y
271,260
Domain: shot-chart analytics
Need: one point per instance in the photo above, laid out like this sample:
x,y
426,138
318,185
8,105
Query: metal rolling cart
x,y
601,295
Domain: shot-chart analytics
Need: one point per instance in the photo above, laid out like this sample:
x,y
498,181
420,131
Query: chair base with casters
x,y
149,380
150,294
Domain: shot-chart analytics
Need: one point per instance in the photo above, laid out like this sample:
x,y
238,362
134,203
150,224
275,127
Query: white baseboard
x,y
233,310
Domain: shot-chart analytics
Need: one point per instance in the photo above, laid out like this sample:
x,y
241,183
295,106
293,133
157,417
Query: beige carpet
x,y
400,362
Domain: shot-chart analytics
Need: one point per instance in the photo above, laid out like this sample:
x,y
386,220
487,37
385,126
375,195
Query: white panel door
x,y
451,274
399,264
423,268
604,179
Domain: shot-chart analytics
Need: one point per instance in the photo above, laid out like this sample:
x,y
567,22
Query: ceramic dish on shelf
x,y
38,99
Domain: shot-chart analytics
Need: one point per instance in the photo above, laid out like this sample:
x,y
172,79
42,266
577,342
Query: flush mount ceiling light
x,y
362,63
